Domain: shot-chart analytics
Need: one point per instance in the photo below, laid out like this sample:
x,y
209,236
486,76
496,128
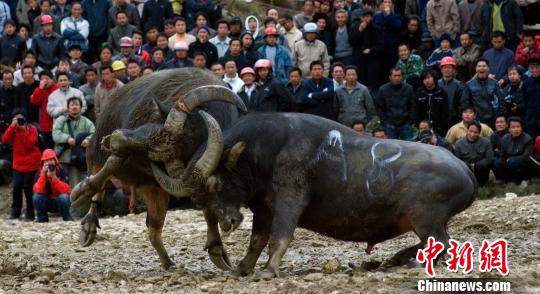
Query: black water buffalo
x,y
149,120
295,170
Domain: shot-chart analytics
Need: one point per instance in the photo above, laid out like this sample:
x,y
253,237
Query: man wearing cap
x,y
221,40
40,97
180,58
122,29
249,91
310,49
277,54
308,9
451,86
57,104
531,95
47,44
108,85
203,45
119,70
126,52
465,56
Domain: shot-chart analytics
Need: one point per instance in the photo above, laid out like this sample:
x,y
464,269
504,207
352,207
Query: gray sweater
x,y
352,105
472,152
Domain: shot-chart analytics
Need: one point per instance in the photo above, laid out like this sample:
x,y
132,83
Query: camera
x,y
51,167
21,121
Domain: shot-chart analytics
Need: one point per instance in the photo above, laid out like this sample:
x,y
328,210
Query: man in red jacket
x,y
50,191
23,136
40,97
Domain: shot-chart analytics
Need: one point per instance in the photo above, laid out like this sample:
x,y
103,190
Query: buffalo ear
x,y
231,155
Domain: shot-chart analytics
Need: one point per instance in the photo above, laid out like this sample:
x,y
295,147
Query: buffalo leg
x,y
259,238
157,202
214,245
402,257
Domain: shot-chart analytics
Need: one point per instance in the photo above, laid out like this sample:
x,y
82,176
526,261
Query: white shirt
x,y
58,101
81,25
236,83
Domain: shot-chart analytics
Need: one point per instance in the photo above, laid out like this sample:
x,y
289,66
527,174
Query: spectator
x,y
130,10
341,49
483,93
427,136
512,93
517,147
64,66
40,98
168,28
410,64
72,133
126,52
201,19
388,23
531,95
325,35
337,5
162,43
276,98
337,70
5,15
21,13
47,44
191,7
45,7
249,91
158,59
528,48
306,15
8,101
23,137
248,49
499,57
295,83
11,44
75,22
57,104
151,39
50,190
412,36
291,33
465,57
379,133
61,10
134,71
368,46
501,129
108,85
351,5
199,60
396,106
432,102
359,127
352,102
26,39
317,93
274,13
29,59
269,22
442,18
476,152
76,65
277,54
147,71
444,50
470,12
122,29
89,91
23,92
221,40
137,39
202,44
180,58
231,76
155,12
180,36
33,11
105,58
459,130
218,70
452,87
96,12
426,48
235,53
235,25
310,49
504,16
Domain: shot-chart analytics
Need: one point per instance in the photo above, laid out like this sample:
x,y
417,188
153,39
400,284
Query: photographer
x,y
23,137
72,133
50,191
512,93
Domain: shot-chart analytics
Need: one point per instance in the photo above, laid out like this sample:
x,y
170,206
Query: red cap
x,y
271,31
447,61
263,63
247,70
46,19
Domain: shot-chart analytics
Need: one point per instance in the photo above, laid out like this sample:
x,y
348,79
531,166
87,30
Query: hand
x,y
525,50
491,76
71,142
500,82
362,26
514,107
85,143
14,122
51,174
44,169
43,84
366,51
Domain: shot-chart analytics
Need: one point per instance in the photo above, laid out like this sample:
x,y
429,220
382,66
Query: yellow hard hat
x,y
118,65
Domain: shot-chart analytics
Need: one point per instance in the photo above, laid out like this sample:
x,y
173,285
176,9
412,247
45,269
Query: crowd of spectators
x,y
441,72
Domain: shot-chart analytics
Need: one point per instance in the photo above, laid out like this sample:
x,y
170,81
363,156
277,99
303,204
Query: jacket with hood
x,y
25,151
246,25
46,186
40,97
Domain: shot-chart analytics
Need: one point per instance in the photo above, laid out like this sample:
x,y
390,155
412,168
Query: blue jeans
x,y
403,132
44,204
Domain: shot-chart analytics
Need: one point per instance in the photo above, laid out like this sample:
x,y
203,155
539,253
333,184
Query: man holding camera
x,y
50,192
72,133
23,137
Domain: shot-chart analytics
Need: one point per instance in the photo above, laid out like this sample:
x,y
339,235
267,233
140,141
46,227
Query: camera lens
x,y
52,167
21,121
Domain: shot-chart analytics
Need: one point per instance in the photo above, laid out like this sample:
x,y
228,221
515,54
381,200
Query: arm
x,y
91,129
430,20
53,109
324,96
518,16
60,187
528,150
326,61
472,54
37,97
465,97
80,94
135,18
30,137
63,25
454,13
84,28
9,135
58,134
369,106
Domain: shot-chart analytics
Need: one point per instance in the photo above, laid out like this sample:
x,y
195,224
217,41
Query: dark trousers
x,y
44,204
22,182
94,44
512,169
46,140
403,132
481,171
346,60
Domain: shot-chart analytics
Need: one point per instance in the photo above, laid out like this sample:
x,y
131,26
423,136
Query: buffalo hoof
x,y
89,223
242,271
82,194
220,258
169,265
267,274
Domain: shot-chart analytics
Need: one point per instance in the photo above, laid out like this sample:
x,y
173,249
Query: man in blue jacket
x,y
47,44
317,95
96,12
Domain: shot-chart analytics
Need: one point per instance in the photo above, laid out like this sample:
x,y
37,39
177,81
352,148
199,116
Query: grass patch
x,y
493,189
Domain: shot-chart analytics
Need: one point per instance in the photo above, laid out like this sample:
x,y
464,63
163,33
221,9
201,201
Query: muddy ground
x,y
47,258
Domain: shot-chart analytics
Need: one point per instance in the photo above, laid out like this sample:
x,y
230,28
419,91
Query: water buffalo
x,y
295,170
149,119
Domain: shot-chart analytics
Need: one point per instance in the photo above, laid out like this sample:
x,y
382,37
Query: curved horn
x,y
204,166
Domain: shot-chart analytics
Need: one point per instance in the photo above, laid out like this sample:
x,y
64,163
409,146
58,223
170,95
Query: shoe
x,y
28,219
68,219
14,214
42,220
523,185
